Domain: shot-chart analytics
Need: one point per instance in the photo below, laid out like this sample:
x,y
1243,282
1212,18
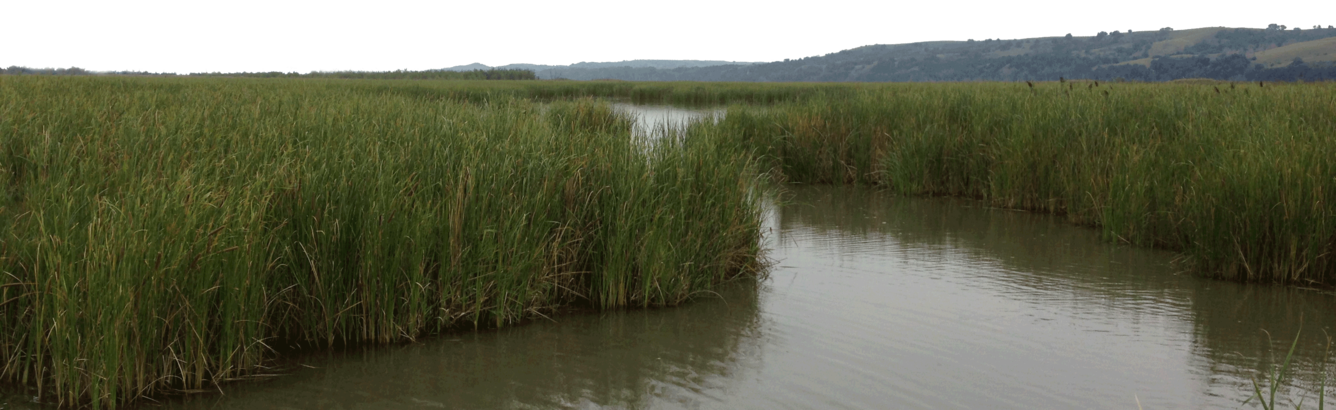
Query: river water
x,y
873,302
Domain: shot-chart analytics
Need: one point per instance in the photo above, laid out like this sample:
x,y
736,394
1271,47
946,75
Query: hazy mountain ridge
x,y
1237,54
1162,55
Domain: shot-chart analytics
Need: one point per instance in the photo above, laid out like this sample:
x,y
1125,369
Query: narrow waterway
x,y
652,119
873,302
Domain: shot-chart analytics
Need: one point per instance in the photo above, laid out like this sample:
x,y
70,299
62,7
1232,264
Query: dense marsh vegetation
x,y
161,233
1240,178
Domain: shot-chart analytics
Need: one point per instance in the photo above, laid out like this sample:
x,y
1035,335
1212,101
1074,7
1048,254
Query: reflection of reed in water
x,y
1045,259
1247,329
624,359
1036,251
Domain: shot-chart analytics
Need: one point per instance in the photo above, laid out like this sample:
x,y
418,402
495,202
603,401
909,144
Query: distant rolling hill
x,y
1323,50
1276,53
1223,53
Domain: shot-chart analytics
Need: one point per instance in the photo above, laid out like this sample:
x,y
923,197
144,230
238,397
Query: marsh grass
x,y
1240,180
159,234
1264,391
676,93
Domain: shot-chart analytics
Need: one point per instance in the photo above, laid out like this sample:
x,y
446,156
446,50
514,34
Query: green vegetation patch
x,y
162,234
1240,178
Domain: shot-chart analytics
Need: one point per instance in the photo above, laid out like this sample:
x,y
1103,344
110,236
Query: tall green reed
x,y
163,234
1279,374
1241,182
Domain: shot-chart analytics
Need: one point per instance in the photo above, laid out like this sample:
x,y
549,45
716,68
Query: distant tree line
x,y
381,75
16,70
1105,56
432,75
1112,55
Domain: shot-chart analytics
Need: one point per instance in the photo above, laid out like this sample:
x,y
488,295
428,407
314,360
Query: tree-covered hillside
x,y
1275,53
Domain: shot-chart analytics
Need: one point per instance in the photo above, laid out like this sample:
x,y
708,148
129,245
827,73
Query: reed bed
x,y
677,93
1240,178
164,234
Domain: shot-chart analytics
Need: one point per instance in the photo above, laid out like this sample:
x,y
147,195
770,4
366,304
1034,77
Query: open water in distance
x,y
874,302
653,118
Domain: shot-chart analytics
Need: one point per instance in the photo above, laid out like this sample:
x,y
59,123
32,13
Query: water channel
x,y
874,302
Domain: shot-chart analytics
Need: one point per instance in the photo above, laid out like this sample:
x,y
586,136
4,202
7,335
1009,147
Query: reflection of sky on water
x,y
652,117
